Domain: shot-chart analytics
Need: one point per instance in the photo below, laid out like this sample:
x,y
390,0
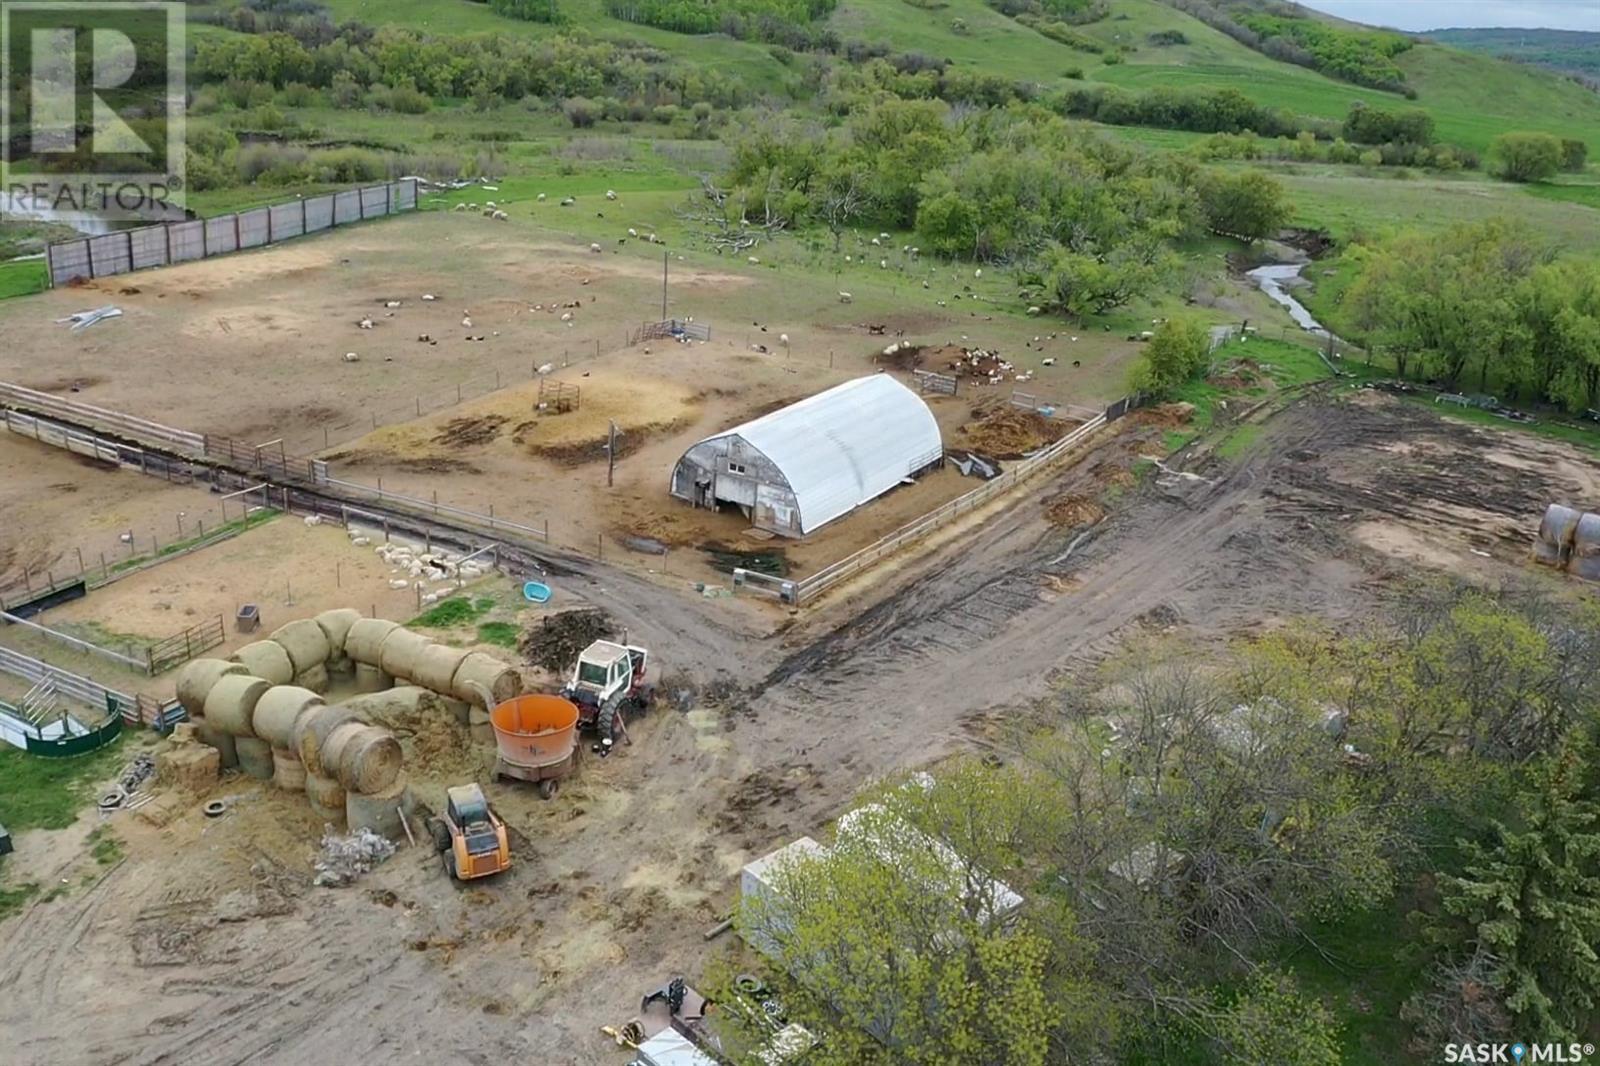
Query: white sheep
x,y
783,339
365,323
540,198
1035,310
632,232
429,296
845,297
876,242
567,317
351,357
544,368
391,303
753,260
459,207
978,273
466,321
594,247
568,201
611,194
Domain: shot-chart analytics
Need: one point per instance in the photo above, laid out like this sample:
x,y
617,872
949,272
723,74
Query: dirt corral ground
x,y
758,739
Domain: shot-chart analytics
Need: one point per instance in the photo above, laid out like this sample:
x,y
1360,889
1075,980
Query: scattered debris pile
x,y
900,356
468,431
344,858
1071,510
773,562
1008,432
555,643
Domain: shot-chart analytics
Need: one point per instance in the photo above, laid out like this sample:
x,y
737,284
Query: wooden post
x,y
611,455
129,234
237,240
80,561
105,567
168,234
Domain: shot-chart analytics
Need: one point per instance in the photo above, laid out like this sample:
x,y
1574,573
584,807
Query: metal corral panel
x,y
405,194
221,237
187,242
149,247
68,260
253,228
319,213
843,447
374,201
1586,548
286,220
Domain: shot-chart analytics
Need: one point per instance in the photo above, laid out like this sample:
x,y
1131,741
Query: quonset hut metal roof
x,y
845,446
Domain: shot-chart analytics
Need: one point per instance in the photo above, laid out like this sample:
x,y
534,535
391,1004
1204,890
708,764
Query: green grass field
x,y
22,278
42,793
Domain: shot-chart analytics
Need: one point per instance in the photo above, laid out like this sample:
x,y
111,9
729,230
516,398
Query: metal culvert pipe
x,y
231,703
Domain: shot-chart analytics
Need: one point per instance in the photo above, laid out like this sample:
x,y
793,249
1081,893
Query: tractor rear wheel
x,y
606,721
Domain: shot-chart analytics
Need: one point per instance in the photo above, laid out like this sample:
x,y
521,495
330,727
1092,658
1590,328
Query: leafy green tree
x,y
1249,205
1574,155
1271,1023
1178,352
1529,900
1527,157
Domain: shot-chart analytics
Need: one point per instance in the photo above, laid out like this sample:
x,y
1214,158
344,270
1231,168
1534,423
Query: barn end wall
x,y
762,490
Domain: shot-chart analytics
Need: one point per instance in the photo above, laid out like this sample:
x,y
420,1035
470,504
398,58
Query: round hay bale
x,y
370,760
209,734
402,705
332,750
372,679
277,711
460,711
436,667
401,652
479,672
336,627
288,772
480,726
231,703
311,732
315,679
380,811
255,757
197,677
266,659
305,642
366,638
326,797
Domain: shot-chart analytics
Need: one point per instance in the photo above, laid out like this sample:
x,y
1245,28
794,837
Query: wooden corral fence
x,y
674,328
928,381
65,684
167,243
268,458
115,423
181,647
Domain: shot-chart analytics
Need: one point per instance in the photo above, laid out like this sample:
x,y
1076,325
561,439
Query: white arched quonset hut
x,y
802,466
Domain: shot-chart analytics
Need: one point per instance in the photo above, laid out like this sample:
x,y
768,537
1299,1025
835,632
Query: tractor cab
x,y
605,669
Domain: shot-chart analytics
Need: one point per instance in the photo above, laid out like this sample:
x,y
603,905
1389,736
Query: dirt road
x,y
1335,499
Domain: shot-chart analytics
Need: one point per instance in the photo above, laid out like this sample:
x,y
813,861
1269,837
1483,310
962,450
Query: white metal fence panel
x,y
319,213
287,220
68,260
108,254
188,241
149,247
253,231
404,195
346,207
375,201
221,236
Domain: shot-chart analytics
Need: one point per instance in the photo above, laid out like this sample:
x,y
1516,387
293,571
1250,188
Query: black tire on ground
x,y
441,835
448,859
548,788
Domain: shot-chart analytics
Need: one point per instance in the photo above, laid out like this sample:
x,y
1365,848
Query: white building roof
x,y
845,446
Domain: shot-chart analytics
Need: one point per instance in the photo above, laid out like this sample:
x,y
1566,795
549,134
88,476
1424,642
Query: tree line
x,y
1485,306
1187,822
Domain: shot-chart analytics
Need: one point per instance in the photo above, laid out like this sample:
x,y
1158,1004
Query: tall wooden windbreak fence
x,y
168,243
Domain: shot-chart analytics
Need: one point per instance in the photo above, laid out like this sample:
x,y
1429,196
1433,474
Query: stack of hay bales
x,y
263,710
186,763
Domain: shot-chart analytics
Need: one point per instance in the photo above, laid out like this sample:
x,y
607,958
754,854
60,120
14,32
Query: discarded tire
x,y
312,729
479,673
336,627
277,711
288,772
380,811
370,761
214,809
436,667
266,659
305,642
401,652
371,678
326,797
231,703
255,757
366,637
197,677
209,734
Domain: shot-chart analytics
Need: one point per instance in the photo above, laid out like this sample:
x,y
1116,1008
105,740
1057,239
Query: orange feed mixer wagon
x,y
536,739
